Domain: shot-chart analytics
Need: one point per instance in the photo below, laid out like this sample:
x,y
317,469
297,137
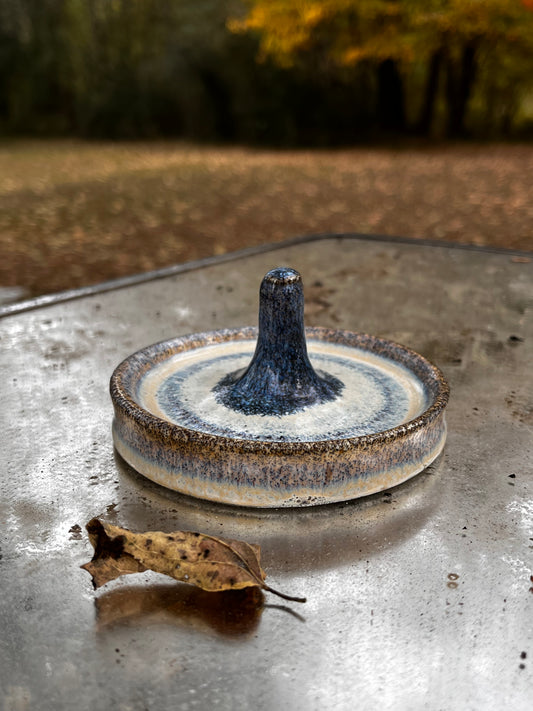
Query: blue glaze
x,y
280,379
389,410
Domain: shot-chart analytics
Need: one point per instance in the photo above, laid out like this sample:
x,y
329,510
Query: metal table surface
x,y
419,598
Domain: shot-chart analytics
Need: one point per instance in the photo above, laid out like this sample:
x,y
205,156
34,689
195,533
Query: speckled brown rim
x,y
127,376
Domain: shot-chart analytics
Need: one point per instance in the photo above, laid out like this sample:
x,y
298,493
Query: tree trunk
x,y
223,123
427,112
460,77
390,99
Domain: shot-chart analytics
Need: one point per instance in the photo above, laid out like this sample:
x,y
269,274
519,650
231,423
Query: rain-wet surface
x,y
417,597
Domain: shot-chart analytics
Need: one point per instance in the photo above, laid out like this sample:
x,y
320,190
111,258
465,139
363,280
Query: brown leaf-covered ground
x,y
75,213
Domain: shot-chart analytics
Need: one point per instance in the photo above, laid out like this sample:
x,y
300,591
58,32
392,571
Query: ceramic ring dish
x,y
278,415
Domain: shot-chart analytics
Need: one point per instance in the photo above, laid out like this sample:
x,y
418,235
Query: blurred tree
x,y
329,71
137,65
31,66
118,68
336,35
459,37
448,37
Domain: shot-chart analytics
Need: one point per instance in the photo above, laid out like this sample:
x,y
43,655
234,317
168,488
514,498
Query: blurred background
x,y
135,134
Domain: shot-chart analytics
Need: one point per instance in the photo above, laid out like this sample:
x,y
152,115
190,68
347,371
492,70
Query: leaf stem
x,y
282,595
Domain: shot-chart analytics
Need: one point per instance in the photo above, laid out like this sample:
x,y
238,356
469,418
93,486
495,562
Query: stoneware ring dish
x,y
278,415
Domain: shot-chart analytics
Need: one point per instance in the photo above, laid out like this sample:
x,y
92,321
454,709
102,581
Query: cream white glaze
x,y
378,394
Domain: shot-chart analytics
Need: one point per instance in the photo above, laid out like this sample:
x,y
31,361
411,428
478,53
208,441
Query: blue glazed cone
x,y
280,379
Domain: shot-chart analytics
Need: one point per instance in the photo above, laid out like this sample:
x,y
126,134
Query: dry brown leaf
x,y
213,564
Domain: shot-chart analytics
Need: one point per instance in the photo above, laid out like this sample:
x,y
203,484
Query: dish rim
x,y
129,373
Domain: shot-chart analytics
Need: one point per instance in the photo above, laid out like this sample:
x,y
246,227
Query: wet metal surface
x,y
419,597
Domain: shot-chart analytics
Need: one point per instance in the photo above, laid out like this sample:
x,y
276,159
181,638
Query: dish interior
x,y
379,394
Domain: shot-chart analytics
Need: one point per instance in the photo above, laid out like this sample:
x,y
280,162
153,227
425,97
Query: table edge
x,y
143,277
